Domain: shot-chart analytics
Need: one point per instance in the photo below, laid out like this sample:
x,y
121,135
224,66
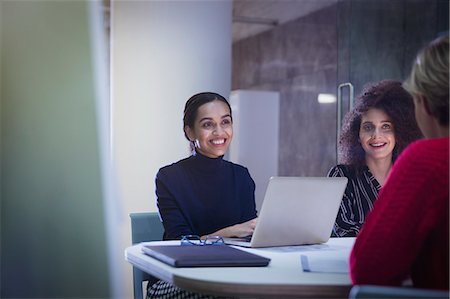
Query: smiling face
x,y
377,135
213,129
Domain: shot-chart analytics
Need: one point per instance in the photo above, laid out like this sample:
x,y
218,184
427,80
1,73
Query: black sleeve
x,y
248,199
345,224
174,222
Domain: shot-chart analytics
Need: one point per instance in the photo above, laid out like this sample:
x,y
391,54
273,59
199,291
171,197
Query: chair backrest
x,y
371,291
144,227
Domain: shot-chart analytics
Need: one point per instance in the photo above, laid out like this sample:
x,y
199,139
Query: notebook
x,y
296,211
204,256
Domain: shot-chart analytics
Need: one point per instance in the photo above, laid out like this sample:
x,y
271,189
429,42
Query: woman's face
x,y
213,129
376,134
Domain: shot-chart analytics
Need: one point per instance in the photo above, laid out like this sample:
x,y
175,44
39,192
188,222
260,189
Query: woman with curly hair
x,y
374,134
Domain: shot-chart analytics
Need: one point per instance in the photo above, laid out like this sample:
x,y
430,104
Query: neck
x,y
435,130
380,168
441,132
198,153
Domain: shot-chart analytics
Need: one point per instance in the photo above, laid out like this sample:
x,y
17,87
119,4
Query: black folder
x,y
204,256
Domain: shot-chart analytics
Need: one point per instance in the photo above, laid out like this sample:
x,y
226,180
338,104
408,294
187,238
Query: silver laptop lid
x,y
298,211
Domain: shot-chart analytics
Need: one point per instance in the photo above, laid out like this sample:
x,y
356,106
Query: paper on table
x,y
333,263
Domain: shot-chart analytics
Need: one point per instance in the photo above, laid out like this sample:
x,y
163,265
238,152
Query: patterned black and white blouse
x,y
359,196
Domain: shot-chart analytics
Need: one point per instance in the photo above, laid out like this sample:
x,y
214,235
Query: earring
x,y
195,144
192,147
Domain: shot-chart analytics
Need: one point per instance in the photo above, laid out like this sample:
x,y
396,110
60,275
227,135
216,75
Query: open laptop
x,y
296,211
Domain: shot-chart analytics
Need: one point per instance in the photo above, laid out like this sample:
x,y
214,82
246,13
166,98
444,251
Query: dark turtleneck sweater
x,y
200,195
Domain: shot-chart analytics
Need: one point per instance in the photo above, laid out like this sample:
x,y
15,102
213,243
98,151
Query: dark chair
x,y
144,227
372,291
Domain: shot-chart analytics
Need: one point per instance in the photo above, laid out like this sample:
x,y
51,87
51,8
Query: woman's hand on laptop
x,y
244,229
239,230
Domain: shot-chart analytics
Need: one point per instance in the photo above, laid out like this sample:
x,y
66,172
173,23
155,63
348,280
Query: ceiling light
x,y
326,98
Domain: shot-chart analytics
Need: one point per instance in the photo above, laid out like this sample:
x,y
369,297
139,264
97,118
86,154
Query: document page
x,y
329,262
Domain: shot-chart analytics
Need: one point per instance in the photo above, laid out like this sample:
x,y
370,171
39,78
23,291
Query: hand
x,y
243,229
239,230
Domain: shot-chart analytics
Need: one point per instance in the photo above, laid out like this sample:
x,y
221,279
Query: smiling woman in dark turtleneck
x,y
205,194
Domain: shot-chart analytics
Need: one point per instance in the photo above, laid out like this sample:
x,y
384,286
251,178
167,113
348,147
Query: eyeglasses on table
x,y
197,241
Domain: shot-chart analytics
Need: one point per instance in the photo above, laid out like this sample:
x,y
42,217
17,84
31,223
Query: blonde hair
x,y
430,77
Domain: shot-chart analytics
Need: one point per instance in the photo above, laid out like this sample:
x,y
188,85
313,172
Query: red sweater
x,y
407,232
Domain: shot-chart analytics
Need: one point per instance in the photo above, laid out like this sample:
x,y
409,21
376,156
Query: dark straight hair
x,y
194,102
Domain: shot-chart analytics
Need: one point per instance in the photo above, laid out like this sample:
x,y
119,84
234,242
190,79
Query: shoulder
x,y
426,152
341,170
241,174
427,146
172,169
425,160
237,167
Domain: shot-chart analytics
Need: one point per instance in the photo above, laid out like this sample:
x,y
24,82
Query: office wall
x,y
162,53
297,59
52,221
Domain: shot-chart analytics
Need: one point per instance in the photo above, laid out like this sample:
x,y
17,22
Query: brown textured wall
x,y
355,41
298,59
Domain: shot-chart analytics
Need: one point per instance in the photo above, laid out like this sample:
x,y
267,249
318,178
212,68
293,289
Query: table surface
x,y
284,277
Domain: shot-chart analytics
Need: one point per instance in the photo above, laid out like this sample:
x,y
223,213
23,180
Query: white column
x,y
255,138
162,53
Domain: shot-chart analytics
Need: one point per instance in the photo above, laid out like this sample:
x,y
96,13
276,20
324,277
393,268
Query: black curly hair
x,y
396,102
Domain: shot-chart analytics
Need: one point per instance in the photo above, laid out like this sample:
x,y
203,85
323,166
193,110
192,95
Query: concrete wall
x,y
355,41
